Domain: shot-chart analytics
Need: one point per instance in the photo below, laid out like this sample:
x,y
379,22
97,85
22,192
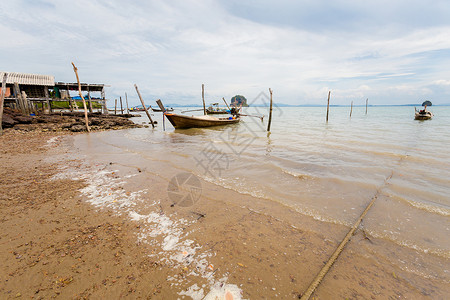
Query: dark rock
x,y
23,119
8,121
77,128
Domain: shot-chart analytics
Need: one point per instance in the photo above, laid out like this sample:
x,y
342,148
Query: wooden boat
x,y
214,109
182,121
139,108
423,115
159,110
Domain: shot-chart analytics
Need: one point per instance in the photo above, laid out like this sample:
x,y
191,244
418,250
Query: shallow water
x,y
328,171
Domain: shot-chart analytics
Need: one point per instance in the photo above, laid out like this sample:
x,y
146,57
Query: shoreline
x,y
254,247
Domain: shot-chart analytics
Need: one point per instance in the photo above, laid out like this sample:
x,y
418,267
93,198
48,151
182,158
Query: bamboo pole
x,y
328,105
2,97
367,100
121,106
126,100
270,111
115,107
351,109
143,104
203,98
82,98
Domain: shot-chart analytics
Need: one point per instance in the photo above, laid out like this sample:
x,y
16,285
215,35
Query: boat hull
x,y
213,112
426,116
158,110
181,121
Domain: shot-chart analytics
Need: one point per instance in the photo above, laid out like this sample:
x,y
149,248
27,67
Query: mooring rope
x,y
315,283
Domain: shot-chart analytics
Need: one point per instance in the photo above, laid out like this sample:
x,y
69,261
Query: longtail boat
x,y
159,110
423,114
182,121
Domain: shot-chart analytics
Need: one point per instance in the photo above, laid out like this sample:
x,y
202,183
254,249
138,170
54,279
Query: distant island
x,y
239,100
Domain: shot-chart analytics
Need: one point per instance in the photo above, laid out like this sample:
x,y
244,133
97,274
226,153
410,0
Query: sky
x,y
392,52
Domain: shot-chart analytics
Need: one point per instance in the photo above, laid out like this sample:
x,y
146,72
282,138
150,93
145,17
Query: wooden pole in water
x,y
351,109
143,104
115,106
270,111
82,98
126,100
203,98
2,97
226,103
121,106
367,100
328,105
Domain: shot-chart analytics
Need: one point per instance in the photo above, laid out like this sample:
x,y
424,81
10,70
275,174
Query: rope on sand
x,y
312,287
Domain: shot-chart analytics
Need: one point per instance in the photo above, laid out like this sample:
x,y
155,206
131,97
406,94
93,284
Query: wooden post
x,y
121,106
89,99
351,109
203,98
270,111
25,103
82,98
328,105
105,109
16,93
163,109
367,100
47,99
18,97
70,99
143,104
126,100
115,107
2,97
226,103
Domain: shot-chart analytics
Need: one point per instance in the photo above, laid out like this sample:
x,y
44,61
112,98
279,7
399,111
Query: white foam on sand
x,y
168,233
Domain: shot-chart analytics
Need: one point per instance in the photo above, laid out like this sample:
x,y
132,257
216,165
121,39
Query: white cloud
x,y
171,48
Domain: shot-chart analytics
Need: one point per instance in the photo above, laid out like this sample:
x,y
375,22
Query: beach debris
x,y
163,231
64,121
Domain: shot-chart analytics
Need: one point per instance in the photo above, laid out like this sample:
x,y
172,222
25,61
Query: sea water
x,y
329,171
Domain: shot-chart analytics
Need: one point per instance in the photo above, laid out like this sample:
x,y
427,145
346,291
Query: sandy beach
x,y
78,228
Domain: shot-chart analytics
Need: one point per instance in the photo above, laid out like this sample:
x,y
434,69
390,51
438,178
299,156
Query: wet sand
x,y
86,226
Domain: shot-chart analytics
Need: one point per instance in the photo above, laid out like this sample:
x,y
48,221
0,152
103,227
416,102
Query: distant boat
x,y
182,121
214,109
139,108
159,110
423,114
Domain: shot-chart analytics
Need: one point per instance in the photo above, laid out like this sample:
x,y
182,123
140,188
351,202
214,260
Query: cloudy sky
x,y
392,52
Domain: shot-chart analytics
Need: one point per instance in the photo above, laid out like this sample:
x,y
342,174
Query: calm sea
x,y
328,171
